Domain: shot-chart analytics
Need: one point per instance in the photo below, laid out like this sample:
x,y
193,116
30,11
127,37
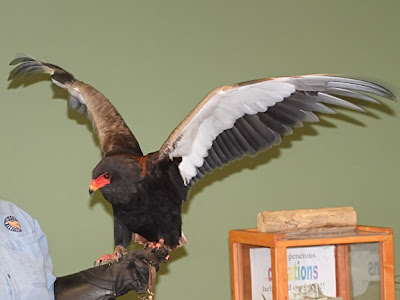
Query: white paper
x,y
306,265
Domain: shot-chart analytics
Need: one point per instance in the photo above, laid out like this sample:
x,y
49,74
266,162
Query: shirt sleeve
x,y
42,239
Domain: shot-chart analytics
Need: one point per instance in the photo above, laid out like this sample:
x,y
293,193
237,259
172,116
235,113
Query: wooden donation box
x,y
312,254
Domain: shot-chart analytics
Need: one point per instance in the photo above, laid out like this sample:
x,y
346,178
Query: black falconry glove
x,y
106,282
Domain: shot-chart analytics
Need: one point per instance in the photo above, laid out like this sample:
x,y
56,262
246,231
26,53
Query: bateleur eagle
x,y
147,191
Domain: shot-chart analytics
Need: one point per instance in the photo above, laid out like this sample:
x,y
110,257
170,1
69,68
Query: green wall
x,y
155,60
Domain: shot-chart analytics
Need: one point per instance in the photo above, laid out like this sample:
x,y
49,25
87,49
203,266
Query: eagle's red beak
x,y
93,187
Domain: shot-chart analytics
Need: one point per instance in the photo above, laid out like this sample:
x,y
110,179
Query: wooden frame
x,y
240,241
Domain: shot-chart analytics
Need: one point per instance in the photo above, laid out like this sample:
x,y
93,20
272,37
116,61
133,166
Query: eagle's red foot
x,y
108,258
157,245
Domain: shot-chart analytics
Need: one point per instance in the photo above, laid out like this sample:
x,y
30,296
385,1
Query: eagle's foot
x,y
110,258
157,246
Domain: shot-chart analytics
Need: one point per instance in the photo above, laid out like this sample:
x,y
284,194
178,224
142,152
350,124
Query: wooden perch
x,y
305,220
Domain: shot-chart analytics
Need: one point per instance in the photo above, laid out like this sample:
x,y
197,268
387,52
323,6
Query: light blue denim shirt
x,y
26,269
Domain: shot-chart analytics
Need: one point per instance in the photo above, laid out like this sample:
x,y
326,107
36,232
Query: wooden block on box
x,y
300,221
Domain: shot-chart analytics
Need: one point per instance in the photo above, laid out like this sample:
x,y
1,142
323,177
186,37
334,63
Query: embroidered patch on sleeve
x,y
12,223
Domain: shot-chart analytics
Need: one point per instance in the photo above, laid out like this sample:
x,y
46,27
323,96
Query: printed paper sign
x,y
306,266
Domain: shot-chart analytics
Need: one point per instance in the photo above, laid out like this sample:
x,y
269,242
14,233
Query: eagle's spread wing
x,y
114,135
240,119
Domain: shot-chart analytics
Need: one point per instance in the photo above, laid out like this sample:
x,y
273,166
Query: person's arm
x,y
48,264
106,282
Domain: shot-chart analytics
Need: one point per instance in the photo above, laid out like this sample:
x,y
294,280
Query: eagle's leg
x,y
122,238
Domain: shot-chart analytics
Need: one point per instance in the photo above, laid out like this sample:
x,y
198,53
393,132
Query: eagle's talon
x,y
117,256
97,262
150,245
160,243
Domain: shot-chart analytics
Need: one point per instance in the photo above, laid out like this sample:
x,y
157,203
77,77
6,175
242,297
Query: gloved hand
x,y
106,282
